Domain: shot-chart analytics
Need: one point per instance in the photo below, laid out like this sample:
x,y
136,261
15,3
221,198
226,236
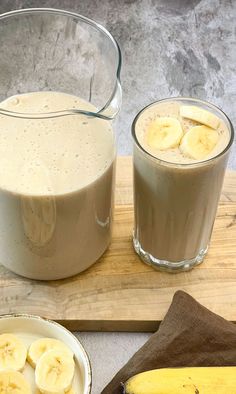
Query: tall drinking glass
x,y
175,203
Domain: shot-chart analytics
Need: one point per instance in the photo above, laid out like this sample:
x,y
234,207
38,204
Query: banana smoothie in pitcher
x,y
58,100
181,149
57,192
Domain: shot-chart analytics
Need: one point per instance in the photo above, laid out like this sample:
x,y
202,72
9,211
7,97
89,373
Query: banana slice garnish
x,y
13,382
54,372
164,133
198,142
12,353
199,115
42,345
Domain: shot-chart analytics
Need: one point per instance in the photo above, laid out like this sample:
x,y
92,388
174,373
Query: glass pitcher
x,y
59,92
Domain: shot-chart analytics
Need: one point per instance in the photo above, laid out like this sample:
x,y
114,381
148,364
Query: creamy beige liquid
x,y
175,197
56,179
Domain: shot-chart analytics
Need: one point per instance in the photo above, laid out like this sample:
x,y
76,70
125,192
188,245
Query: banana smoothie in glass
x,y
181,148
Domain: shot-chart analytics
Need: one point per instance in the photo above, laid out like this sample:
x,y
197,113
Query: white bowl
x,y
29,328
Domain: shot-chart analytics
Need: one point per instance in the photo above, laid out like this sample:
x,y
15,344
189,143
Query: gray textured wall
x,y
169,48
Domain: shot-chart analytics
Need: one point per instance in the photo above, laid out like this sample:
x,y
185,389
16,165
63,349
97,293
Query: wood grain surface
x,y
119,292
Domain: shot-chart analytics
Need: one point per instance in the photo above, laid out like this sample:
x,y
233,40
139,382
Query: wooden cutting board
x,y
119,292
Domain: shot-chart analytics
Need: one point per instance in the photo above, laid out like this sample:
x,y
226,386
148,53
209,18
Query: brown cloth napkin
x,y
189,335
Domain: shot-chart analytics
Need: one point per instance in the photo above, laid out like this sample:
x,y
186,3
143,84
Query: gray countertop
x,y
169,48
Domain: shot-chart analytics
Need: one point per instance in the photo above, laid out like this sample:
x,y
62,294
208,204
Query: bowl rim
x,y
87,361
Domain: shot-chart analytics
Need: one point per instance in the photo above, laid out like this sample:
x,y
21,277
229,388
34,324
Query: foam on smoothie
x,y
175,155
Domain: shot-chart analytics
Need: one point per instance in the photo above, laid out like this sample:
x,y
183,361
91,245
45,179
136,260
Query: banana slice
x,y
54,372
199,115
164,133
12,352
71,391
13,382
42,345
198,142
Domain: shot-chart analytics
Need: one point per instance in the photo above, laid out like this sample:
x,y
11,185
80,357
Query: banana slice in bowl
x,y
54,372
13,382
71,391
42,345
12,352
